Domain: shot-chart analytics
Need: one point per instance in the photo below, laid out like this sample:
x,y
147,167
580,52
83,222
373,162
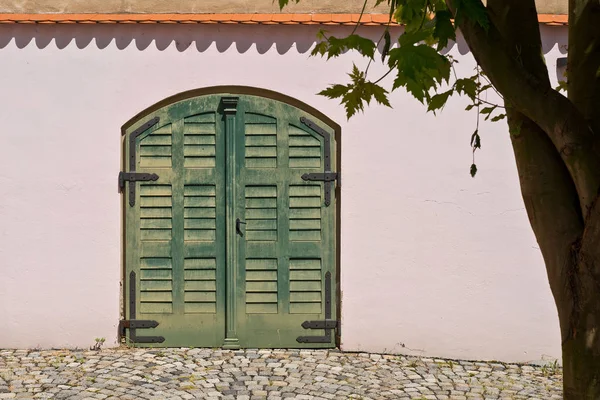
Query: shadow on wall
x,y
181,37
201,37
551,36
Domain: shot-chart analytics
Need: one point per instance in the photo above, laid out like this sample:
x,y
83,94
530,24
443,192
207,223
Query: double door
x,y
230,226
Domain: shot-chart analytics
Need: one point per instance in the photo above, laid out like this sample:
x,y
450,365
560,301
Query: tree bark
x,y
558,181
551,203
554,214
583,70
581,345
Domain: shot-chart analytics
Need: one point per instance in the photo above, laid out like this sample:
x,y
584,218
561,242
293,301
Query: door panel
x,y
289,243
178,230
175,236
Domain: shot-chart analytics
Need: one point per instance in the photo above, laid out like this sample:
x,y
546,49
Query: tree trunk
x,y
557,151
581,328
581,347
581,359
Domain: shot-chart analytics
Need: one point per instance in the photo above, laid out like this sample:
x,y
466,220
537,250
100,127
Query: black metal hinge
x,y
133,176
132,324
327,176
135,324
328,324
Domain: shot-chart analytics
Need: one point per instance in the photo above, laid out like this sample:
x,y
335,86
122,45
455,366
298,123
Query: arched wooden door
x,y
230,225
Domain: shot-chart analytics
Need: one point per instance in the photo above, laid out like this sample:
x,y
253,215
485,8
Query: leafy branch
x,y
416,61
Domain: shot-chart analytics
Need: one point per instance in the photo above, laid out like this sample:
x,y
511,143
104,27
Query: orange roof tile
x,y
265,19
321,17
553,19
301,18
341,18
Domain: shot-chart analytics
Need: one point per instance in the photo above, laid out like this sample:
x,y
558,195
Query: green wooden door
x,y
207,280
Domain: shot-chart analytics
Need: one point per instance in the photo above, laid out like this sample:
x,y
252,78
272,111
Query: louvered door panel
x,y
199,146
175,229
261,141
199,213
306,286
261,213
200,285
305,149
305,212
156,273
288,243
261,286
156,149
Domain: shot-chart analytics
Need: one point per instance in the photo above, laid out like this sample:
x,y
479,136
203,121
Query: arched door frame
x,y
252,91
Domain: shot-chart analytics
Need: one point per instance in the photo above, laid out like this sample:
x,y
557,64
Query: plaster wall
x,y
433,262
214,6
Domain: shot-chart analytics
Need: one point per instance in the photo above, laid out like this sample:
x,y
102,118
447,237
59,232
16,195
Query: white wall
x,y
433,261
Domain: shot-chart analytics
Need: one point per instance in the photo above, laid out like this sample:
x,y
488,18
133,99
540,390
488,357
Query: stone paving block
x,y
187,374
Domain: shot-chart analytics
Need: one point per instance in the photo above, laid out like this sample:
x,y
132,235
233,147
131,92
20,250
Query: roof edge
x,y
211,18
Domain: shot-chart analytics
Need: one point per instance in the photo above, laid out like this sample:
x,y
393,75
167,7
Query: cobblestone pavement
x,y
263,374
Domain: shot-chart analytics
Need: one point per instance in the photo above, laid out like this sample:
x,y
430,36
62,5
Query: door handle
x,y
238,228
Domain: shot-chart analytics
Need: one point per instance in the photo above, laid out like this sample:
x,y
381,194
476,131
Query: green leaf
x,y
473,170
320,49
562,86
412,38
487,111
444,30
472,10
420,68
350,97
498,117
439,100
469,107
357,93
335,91
379,93
411,13
467,86
356,74
387,42
283,3
333,46
476,140
322,34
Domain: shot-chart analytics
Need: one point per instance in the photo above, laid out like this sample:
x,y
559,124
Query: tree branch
x,y
550,195
584,60
552,206
533,96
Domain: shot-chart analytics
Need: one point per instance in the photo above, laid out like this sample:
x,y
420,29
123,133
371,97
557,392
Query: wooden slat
x,y
199,234
261,162
305,275
261,275
199,274
261,191
261,140
199,162
156,308
190,286
261,264
200,263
